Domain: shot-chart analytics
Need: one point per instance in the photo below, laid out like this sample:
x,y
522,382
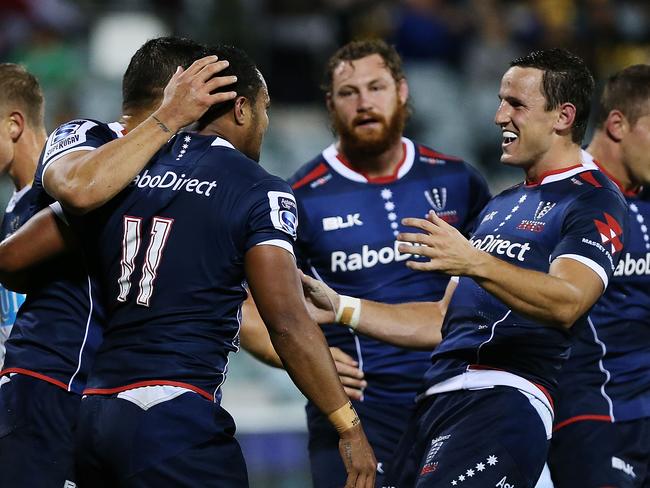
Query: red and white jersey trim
x,y
478,379
330,154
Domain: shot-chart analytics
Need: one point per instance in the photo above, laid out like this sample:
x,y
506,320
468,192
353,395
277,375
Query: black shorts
x,y
596,454
37,425
472,439
185,441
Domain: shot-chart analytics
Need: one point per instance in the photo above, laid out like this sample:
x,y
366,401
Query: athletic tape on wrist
x,y
344,418
349,311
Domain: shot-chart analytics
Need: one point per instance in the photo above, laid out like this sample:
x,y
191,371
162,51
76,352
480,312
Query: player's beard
x,y
357,144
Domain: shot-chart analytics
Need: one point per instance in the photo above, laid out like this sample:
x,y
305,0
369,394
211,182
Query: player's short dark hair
x,y
360,49
152,66
17,85
248,85
627,91
566,79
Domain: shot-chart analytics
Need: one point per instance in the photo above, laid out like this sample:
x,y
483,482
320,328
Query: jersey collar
x,y
339,164
562,173
220,141
586,157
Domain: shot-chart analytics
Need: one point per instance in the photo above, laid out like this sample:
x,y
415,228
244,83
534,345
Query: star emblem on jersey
x,y
477,470
182,152
386,194
610,232
389,206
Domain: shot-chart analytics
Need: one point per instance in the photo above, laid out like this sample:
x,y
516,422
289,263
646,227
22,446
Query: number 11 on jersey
x,y
160,229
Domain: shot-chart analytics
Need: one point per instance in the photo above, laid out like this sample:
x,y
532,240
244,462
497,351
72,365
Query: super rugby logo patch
x,y
284,213
68,135
610,232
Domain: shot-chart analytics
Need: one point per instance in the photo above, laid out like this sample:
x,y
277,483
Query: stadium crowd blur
x,y
455,52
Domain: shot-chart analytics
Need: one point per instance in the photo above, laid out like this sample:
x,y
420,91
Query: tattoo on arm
x,y
161,124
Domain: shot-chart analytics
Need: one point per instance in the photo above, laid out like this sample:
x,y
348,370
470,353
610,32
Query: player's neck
x,y
28,150
374,166
608,155
558,157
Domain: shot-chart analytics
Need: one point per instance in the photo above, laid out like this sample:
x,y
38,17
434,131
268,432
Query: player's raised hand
x,y
322,301
350,375
358,458
188,94
447,249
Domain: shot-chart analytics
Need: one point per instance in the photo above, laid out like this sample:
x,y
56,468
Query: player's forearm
x,y
86,180
538,295
308,361
42,237
411,325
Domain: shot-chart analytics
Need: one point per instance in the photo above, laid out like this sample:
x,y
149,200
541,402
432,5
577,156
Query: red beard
x,y
359,144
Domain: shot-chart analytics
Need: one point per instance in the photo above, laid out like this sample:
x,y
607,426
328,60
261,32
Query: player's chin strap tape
x,y
344,418
349,311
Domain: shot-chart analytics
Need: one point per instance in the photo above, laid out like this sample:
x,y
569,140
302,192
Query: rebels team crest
x,y
610,232
437,198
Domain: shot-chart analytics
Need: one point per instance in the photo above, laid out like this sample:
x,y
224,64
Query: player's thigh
x,y
492,437
383,424
182,442
37,422
596,454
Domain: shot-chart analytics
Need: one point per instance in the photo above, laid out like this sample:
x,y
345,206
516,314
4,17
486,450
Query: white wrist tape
x,y
349,311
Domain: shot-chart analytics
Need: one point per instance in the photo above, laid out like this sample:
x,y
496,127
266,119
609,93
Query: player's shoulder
x,y
243,169
594,184
311,175
77,132
442,163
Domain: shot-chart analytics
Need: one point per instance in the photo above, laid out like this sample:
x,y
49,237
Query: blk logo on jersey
x,y
338,222
610,232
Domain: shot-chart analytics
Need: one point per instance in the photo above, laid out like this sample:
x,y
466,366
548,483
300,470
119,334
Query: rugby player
x,y
602,426
209,217
350,199
22,136
540,257
58,327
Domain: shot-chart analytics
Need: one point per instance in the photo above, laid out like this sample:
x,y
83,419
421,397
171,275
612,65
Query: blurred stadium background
x,y
455,52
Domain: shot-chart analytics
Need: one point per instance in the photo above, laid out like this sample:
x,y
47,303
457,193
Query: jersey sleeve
x,y
593,231
479,196
76,135
271,216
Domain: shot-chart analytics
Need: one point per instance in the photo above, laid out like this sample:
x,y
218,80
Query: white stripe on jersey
x,y
602,369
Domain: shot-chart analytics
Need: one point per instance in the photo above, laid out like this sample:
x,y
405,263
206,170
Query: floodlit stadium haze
x,y
454,53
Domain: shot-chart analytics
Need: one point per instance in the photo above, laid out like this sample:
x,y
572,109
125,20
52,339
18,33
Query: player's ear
x,y
566,117
16,125
616,125
328,101
403,91
242,110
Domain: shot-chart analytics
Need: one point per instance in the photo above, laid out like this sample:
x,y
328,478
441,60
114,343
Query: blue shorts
x,y
37,423
185,441
472,439
595,454
383,424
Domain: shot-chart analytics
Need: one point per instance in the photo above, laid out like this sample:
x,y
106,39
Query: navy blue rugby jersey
x,y
169,253
58,328
576,213
19,209
607,376
348,224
